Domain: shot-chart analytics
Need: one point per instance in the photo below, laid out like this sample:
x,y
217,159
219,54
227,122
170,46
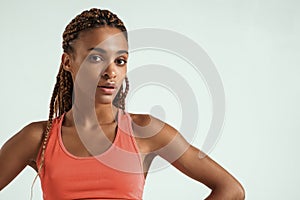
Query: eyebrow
x,y
100,50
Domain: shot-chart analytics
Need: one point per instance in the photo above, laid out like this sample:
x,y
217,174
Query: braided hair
x,y
61,100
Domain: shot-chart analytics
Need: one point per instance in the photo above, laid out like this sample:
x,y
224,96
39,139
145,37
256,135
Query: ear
x,y
66,61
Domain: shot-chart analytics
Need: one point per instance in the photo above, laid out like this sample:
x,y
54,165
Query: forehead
x,y
108,38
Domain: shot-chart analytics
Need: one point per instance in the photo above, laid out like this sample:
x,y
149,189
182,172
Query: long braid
x,y
64,98
122,95
46,133
61,100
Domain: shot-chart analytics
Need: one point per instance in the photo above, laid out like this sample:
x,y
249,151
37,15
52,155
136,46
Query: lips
x,y
107,88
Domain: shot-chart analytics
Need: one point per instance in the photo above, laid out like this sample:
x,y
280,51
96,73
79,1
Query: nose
x,y
109,72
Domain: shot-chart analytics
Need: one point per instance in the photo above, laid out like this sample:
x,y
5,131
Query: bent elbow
x,y
238,193
229,192
234,191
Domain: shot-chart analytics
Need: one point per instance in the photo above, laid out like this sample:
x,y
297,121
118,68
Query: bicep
x,y
172,146
202,168
18,151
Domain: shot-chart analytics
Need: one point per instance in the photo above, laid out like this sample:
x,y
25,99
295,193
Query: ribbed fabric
x,y
115,174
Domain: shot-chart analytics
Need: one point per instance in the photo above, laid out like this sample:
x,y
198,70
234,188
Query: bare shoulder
x,y
27,141
141,119
153,131
153,124
33,131
148,123
20,150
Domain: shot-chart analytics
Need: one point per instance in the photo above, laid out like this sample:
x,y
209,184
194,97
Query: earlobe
x,y
66,62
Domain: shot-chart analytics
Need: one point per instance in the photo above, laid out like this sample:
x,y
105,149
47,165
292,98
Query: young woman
x,y
90,147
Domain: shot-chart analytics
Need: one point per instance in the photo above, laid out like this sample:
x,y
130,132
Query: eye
x,y
121,61
95,58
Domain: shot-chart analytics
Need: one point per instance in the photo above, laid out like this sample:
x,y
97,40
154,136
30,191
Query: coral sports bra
x,y
115,174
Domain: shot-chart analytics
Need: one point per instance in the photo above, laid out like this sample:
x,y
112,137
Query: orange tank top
x,y
115,174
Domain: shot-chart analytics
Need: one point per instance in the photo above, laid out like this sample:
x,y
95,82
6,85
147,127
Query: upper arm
x,y
168,143
19,151
202,168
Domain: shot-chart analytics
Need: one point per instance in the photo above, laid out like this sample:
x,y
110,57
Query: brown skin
x,y
153,136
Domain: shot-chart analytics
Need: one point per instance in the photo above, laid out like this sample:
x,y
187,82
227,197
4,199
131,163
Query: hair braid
x,y
53,104
122,95
65,92
90,19
61,100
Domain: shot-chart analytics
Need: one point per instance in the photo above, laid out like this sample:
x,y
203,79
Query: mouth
x,y
104,86
108,88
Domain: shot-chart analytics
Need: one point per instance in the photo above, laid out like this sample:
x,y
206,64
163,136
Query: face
x,y
98,64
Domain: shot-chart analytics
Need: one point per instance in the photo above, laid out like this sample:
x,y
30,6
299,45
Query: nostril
x,y
108,76
105,76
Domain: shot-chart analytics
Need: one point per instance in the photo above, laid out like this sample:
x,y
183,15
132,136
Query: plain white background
x,y
254,45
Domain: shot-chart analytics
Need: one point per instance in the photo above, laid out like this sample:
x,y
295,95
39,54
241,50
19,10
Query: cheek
x,y
86,76
122,71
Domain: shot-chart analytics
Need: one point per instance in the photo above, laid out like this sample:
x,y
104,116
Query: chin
x,y
104,100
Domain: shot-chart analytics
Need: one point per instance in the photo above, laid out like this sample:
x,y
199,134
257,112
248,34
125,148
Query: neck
x,y
106,113
101,114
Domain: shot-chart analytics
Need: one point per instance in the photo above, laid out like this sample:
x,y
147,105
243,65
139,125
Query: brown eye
x,y
95,58
121,62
